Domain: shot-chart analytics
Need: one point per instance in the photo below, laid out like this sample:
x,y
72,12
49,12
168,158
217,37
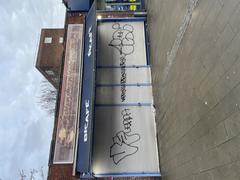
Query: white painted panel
x,y
125,141
118,95
121,42
129,75
124,134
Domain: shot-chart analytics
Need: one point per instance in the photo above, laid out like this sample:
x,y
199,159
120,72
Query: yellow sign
x,y
133,8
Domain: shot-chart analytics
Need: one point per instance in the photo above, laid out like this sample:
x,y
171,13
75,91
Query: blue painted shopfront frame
x,y
79,5
85,140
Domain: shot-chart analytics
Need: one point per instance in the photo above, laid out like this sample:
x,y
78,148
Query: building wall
x,y
74,18
195,55
60,172
50,54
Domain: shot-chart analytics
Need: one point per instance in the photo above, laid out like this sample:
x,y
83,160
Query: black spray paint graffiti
x,y
124,142
123,79
123,41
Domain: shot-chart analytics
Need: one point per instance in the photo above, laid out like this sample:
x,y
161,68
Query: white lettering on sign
x,y
90,35
86,121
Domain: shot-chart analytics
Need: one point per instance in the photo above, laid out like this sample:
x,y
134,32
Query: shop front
x,y
117,130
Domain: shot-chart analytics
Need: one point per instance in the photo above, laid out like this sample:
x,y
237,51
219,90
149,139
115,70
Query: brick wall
x,y
49,56
196,87
60,172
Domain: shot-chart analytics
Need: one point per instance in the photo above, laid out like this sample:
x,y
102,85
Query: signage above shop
x,y
85,139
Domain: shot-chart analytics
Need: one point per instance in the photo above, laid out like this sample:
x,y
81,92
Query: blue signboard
x,y
84,153
79,5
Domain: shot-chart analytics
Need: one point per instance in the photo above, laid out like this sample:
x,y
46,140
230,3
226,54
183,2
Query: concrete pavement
x,y
195,51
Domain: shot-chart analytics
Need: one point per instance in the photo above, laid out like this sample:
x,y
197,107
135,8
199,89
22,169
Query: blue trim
x,y
130,66
87,176
143,4
154,174
125,19
147,44
94,111
79,5
117,85
124,104
84,153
